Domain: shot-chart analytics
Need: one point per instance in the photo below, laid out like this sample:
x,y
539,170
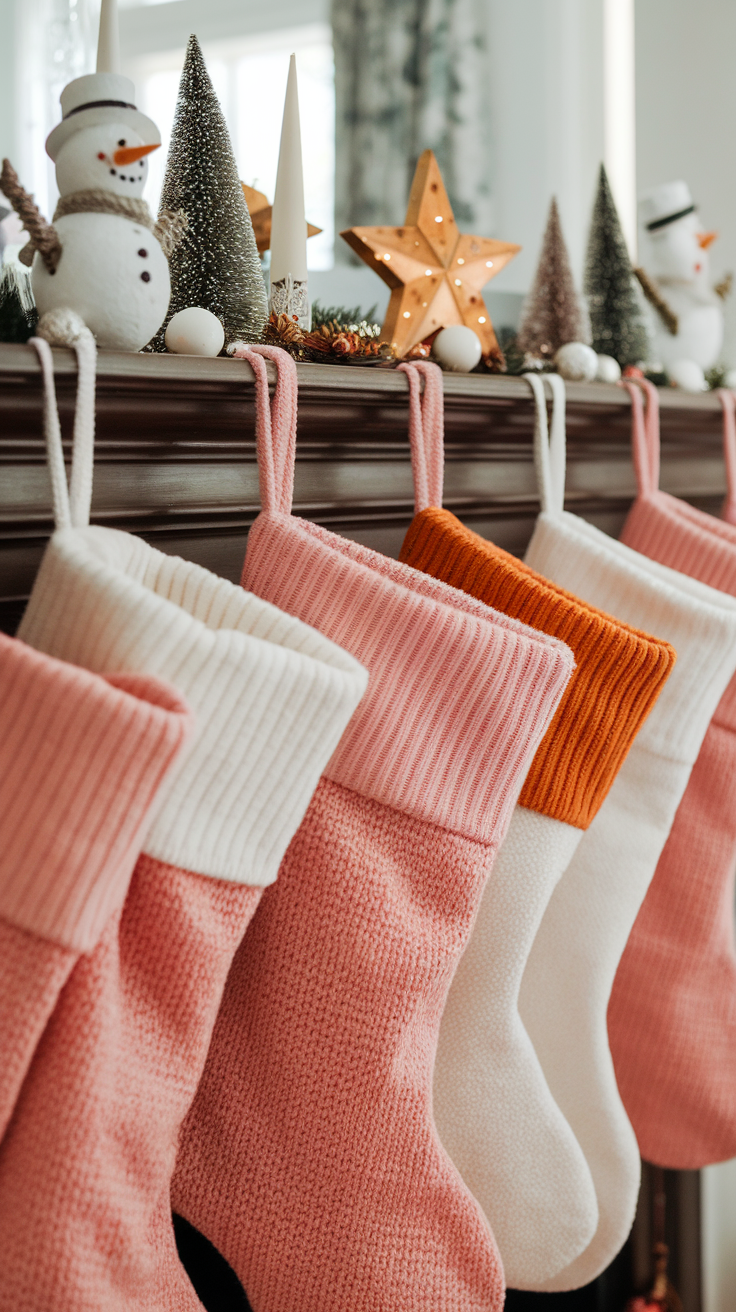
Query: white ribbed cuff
x,y
698,621
271,696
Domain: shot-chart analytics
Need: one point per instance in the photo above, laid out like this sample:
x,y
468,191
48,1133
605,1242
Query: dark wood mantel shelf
x,y
175,455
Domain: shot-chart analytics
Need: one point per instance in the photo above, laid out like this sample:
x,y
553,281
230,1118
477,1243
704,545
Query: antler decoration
x,y
43,235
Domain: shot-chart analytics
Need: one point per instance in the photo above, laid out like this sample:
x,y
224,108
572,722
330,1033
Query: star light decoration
x,y
435,272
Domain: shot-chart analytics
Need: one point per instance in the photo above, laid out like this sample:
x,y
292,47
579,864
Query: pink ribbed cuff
x,y
458,698
669,530
666,529
82,759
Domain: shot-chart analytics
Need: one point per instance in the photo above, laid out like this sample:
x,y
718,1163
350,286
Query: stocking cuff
x,y
82,759
458,696
697,621
679,535
271,696
618,676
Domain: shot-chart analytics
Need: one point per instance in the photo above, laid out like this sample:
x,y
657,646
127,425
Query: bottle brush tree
x,y
216,265
616,318
18,313
552,314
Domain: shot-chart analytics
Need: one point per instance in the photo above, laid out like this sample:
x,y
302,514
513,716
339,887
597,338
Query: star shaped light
x,y
435,272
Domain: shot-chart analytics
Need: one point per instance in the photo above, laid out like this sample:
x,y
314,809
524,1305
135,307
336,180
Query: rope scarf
x,y
168,228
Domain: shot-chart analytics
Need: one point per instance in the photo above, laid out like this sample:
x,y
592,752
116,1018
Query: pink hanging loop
x,y
275,425
426,431
644,434
728,510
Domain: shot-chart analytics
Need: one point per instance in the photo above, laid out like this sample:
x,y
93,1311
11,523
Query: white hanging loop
x,y
83,446
549,456
52,435
558,441
70,510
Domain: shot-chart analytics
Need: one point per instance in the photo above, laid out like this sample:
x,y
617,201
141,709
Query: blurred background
x,y
520,99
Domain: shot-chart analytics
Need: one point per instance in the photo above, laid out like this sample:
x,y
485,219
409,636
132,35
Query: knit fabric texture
x,y
270,694
272,698
82,759
619,671
85,1214
568,978
494,1111
336,1192
123,1055
672,1014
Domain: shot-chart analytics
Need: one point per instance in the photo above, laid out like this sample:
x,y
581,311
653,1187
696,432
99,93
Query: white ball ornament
x,y
457,348
608,369
195,331
576,362
687,375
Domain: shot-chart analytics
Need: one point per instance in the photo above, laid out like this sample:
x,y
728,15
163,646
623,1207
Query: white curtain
x,y
411,74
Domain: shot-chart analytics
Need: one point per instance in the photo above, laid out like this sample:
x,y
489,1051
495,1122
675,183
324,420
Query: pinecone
x,y
320,340
495,361
283,330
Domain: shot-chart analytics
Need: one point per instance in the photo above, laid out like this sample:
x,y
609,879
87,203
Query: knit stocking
x,y
310,1158
85,1215
569,975
672,1014
81,761
494,1111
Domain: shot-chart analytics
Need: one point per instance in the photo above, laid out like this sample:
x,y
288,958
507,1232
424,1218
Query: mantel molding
x,y
175,455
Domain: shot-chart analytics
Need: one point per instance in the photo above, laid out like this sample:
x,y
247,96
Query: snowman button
x,y
145,276
143,254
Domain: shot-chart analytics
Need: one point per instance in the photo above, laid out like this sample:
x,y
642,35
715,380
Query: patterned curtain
x,y
410,74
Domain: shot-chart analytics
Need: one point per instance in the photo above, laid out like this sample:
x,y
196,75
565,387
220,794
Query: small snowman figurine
x,y
687,318
103,255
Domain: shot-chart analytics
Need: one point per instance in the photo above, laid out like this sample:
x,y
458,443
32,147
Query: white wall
x,y
7,78
686,116
547,81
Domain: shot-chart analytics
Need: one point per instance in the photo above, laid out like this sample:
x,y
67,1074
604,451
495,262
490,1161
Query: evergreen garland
x,y
552,314
616,318
18,313
351,317
216,265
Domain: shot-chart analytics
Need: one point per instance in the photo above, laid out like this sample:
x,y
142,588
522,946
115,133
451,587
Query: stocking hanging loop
x,y
275,425
549,452
426,432
644,433
72,505
728,511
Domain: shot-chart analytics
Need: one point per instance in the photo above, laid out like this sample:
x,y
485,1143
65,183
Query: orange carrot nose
x,y
129,154
705,239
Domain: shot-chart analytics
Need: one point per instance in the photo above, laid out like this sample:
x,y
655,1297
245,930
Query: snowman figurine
x,y
675,259
102,256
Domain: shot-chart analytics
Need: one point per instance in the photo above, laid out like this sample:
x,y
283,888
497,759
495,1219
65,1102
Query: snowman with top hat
x,y
103,255
687,317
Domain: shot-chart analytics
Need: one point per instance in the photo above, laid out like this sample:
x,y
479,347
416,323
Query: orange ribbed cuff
x,y
620,671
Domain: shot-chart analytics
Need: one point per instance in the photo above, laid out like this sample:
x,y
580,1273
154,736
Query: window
x,y
249,76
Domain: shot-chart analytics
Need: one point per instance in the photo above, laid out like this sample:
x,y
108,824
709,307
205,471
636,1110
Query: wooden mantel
x,y
175,455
